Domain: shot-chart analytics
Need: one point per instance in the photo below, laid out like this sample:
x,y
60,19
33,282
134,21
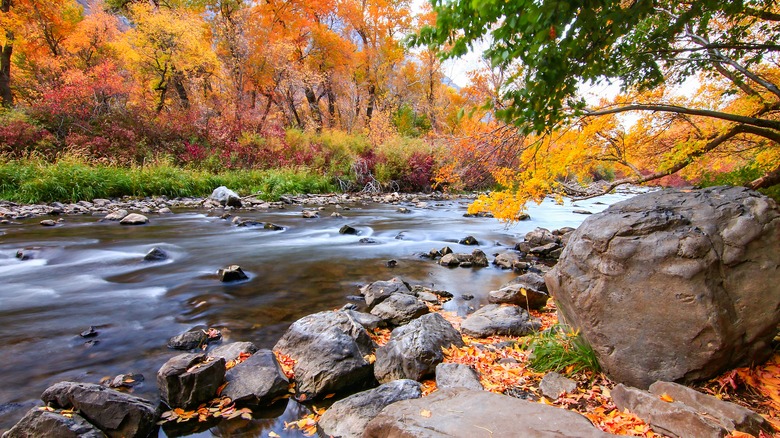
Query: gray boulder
x,y
259,380
134,219
193,338
115,216
231,351
539,237
367,320
495,319
115,413
674,285
479,259
461,412
399,309
155,255
39,423
330,349
554,384
347,418
187,380
378,291
456,375
415,349
226,197
521,293
507,260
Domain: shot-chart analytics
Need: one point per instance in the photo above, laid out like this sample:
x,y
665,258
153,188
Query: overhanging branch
x,y
746,120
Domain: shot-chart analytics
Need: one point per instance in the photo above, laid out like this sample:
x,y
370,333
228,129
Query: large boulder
x,y
187,380
495,319
115,413
258,380
347,418
331,351
43,423
226,197
399,309
674,285
415,349
461,412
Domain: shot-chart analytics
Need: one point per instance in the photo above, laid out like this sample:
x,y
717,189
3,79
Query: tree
x,y
6,50
728,47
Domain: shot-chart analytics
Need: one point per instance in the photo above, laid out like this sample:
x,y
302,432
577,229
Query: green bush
x,y
561,350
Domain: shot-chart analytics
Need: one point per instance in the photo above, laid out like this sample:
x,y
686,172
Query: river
x,y
87,273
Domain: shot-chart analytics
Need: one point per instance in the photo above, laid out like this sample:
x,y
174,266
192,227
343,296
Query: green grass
x,y
71,180
561,350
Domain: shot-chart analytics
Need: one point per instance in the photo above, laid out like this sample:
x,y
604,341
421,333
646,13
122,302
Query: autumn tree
x,y
730,48
6,51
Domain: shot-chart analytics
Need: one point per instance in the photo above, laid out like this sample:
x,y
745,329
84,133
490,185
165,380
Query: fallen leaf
x,y
273,434
666,397
425,413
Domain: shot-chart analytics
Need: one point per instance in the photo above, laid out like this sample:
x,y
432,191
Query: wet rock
x,y
520,294
468,240
523,217
336,214
695,272
231,273
495,319
248,223
231,351
91,332
115,216
378,291
48,223
580,211
193,338
367,241
446,250
399,309
455,375
330,349
273,227
539,237
155,255
310,214
347,418
134,219
553,385
367,320
461,412
226,197
466,297
187,380
479,259
403,210
123,381
428,297
259,380
40,423
544,250
116,413
506,260
346,229
164,210
415,349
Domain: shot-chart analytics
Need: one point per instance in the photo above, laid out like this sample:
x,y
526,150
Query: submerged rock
x,y
134,219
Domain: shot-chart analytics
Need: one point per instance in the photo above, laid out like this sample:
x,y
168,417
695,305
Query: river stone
x,y
378,291
48,223
272,227
231,273
546,251
116,216
495,319
115,413
347,418
415,349
479,259
731,416
367,320
134,219
554,384
186,380
226,197
461,412
399,309
258,380
155,254
346,229
674,285
539,237
310,214
193,338
513,294
39,423
506,260
231,351
468,240
456,375
330,350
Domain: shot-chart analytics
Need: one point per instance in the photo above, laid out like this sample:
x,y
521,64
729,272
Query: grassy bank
x,y
71,180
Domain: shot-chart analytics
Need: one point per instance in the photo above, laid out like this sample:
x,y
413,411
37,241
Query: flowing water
x,y
86,273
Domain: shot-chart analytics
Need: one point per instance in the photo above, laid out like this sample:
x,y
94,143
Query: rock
x,y
399,309
580,211
310,214
259,380
231,351
134,219
116,413
347,418
115,216
336,214
415,349
226,197
444,251
461,412
330,349
522,217
392,263
367,241
428,297
456,375
193,338
155,255
48,223
89,333
367,320
729,415
468,240
539,237
403,210
674,285
231,273
506,260
533,299
466,297
495,319
187,380
273,227
40,423
544,250
563,231
530,280
346,229
247,222
450,260
553,385
378,291
479,259
164,210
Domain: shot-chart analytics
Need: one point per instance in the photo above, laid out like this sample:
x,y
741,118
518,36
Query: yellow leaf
x,y
666,397
523,292
425,413
273,434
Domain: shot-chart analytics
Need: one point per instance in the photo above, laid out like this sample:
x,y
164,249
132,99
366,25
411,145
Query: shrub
x,y
561,350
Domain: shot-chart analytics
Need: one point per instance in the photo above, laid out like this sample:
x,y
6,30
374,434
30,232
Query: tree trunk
x,y
770,179
371,101
6,96
178,84
293,109
314,107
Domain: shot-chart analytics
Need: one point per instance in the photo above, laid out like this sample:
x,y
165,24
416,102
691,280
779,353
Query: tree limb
x,y
752,121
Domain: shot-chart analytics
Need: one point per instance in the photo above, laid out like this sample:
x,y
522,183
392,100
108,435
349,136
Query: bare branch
x,y
752,121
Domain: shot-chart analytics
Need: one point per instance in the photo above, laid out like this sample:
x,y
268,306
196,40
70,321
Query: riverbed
x,y
84,273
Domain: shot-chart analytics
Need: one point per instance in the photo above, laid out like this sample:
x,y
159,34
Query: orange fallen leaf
x,y
666,397
426,413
